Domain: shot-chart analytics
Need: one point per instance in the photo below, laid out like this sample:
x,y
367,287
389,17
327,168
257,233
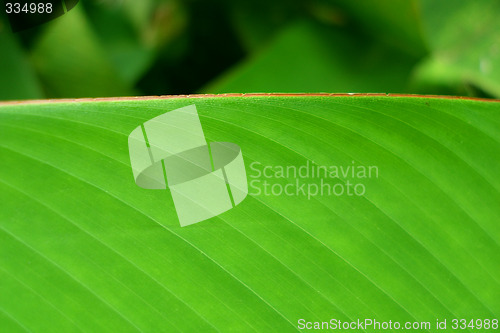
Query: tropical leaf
x,y
72,63
83,248
464,37
313,57
17,79
396,22
255,26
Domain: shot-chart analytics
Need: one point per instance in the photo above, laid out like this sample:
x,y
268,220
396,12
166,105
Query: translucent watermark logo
x,y
205,179
310,180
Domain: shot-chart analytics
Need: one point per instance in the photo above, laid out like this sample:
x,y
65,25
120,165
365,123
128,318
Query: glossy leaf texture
x,y
82,248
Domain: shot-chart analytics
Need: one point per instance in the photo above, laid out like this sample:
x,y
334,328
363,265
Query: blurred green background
x,y
161,47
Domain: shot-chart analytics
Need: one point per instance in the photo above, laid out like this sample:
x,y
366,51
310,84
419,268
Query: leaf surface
x,y
83,248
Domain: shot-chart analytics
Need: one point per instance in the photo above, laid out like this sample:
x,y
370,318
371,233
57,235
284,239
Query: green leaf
x,y
132,32
310,57
256,26
393,21
83,248
464,37
72,63
17,79
121,42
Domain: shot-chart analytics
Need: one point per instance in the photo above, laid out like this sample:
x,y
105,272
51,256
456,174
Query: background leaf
x,y
17,79
463,36
305,57
395,22
72,63
168,47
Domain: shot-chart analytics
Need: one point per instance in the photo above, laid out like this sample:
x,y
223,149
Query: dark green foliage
x,y
161,47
